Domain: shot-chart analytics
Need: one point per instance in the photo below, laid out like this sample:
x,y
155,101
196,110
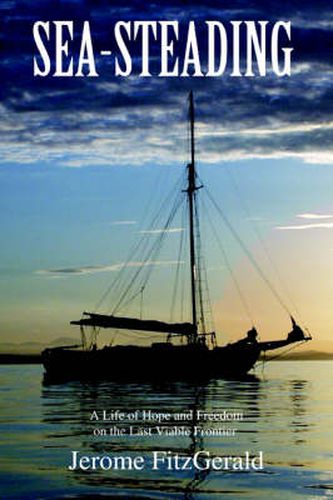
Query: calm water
x,y
287,412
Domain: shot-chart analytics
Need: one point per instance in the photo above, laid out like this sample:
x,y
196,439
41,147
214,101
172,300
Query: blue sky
x,y
78,156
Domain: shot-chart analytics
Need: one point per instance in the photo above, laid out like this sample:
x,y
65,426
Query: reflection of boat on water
x,y
187,397
199,356
66,411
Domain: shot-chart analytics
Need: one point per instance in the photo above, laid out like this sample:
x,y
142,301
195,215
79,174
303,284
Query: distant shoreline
x,y
36,359
20,359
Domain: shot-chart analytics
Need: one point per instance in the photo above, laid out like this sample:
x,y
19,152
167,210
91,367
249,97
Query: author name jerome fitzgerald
x,y
166,460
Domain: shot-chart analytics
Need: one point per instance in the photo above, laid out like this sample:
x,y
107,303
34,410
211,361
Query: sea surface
x,y
286,409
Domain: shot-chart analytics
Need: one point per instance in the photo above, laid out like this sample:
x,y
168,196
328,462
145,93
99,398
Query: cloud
x,y
159,231
80,270
312,225
319,225
123,222
278,130
73,271
315,216
77,122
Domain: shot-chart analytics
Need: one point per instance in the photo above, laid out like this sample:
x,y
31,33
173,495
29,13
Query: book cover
x,y
166,250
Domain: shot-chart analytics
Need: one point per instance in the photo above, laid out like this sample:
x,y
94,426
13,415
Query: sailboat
x,y
197,356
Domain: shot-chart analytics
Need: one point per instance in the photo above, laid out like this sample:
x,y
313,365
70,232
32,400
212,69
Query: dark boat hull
x,y
161,362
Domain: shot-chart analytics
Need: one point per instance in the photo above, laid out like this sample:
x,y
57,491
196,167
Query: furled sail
x,y
107,321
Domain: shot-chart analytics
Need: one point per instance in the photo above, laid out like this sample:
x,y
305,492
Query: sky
x,y
84,161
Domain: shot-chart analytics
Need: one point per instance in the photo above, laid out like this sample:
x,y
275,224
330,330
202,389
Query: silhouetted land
x,y
306,356
20,359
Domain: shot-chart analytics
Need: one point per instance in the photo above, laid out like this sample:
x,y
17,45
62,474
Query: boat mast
x,y
191,188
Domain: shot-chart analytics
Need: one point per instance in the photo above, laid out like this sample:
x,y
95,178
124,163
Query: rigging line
x,y
241,295
142,242
256,231
116,283
249,254
179,259
142,336
281,354
157,222
157,244
141,301
183,280
132,297
175,209
139,271
204,267
206,303
199,264
134,333
148,262
157,192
